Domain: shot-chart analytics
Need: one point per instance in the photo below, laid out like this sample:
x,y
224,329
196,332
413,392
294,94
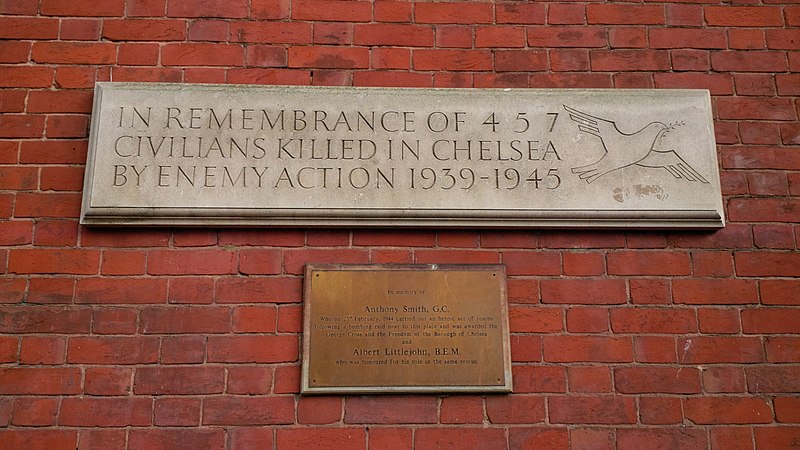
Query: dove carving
x,y
626,149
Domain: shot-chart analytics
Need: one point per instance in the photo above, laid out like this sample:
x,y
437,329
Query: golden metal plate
x,y
389,328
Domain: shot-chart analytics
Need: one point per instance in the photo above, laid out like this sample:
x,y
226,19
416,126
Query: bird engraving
x,y
626,149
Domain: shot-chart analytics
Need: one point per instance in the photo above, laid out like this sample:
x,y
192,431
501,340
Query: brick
x,y
587,349
776,437
539,379
122,263
392,11
653,320
53,152
719,349
630,439
743,16
202,54
271,33
754,84
520,13
461,13
572,37
211,438
392,79
290,319
42,350
609,14
332,11
231,410
539,437
338,438
760,158
207,8
391,58
628,37
82,8
319,410
183,349
652,380
34,411
144,30
266,56
251,437
453,438
516,409
589,379
15,232
402,35
8,349
525,348
660,410
107,381
333,33
454,37
532,263
684,15
587,320
295,260
287,380
773,379
21,126
328,57
186,262
772,210
207,30
179,380
748,61
771,321
52,290
177,412
258,290
787,409
584,264
509,239
28,8
522,290
14,52
121,290
500,37
73,53
780,292
524,319
776,264
67,126
64,261
718,321
147,74
694,60
193,319
460,409
717,84
706,410
592,409
452,60
40,381
252,349
574,291
700,291
80,29
773,236
108,412
249,380
112,350
38,439
61,179
580,239
385,238
722,379
629,60
28,28
391,409
12,100
648,263
520,61
254,319
269,9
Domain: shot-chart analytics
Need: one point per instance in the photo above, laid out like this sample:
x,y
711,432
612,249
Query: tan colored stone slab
x,y
182,154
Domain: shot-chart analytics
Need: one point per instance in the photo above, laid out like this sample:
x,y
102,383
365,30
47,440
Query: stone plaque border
x,y
502,357
686,164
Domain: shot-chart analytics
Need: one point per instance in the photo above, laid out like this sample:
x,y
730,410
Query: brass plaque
x,y
380,329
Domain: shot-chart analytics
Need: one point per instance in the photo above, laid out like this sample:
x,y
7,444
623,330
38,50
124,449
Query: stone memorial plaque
x,y
183,154
379,329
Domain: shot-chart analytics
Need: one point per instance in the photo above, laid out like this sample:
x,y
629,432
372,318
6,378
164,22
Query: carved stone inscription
x,y
247,155
405,329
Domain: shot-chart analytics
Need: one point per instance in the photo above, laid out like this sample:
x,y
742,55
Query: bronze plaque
x,y
431,328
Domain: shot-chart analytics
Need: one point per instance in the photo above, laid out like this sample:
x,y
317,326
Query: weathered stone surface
x,y
180,154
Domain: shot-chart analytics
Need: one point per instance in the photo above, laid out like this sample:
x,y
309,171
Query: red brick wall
x,y
186,338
